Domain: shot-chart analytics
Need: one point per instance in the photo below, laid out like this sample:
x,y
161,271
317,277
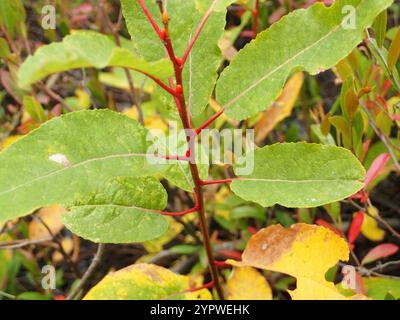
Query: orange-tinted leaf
x,y
51,216
302,251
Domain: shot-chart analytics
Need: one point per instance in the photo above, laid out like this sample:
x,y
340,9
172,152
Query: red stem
x,y
205,286
162,84
222,264
179,158
178,213
151,20
209,121
198,189
207,183
198,31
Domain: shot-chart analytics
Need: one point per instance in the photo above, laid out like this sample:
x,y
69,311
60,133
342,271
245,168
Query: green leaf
x,y
380,26
12,12
69,158
124,210
4,49
34,109
85,49
300,175
378,288
200,72
177,172
145,282
282,50
394,51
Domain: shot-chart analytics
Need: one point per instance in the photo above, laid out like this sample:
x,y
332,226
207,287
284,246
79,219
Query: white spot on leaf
x,y
60,158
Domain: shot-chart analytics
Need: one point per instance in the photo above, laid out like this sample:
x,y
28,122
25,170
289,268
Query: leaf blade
x,y
311,52
58,162
300,175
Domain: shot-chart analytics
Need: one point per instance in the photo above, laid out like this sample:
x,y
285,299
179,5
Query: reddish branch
x,y
209,121
256,14
207,183
182,109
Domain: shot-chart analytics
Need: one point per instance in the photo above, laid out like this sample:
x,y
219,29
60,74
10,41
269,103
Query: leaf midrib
x,y
296,181
76,165
111,205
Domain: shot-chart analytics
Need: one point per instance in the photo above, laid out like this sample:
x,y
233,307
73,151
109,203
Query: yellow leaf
x,y
67,245
281,109
308,289
145,282
9,141
152,122
219,199
83,98
51,216
247,283
370,227
155,122
302,251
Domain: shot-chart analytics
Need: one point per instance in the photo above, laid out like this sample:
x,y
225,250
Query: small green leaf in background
x,y
12,12
300,175
34,109
124,210
276,53
394,51
4,49
380,26
145,282
85,49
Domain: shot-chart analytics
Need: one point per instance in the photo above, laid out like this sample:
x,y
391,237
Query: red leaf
x,y
231,254
379,252
252,230
355,227
376,167
396,117
327,225
386,87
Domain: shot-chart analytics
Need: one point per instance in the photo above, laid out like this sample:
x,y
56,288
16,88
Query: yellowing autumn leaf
x,y
246,283
9,141
146,282
67,245
281,108
370,228
308,289
151,122
51,216
302,251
